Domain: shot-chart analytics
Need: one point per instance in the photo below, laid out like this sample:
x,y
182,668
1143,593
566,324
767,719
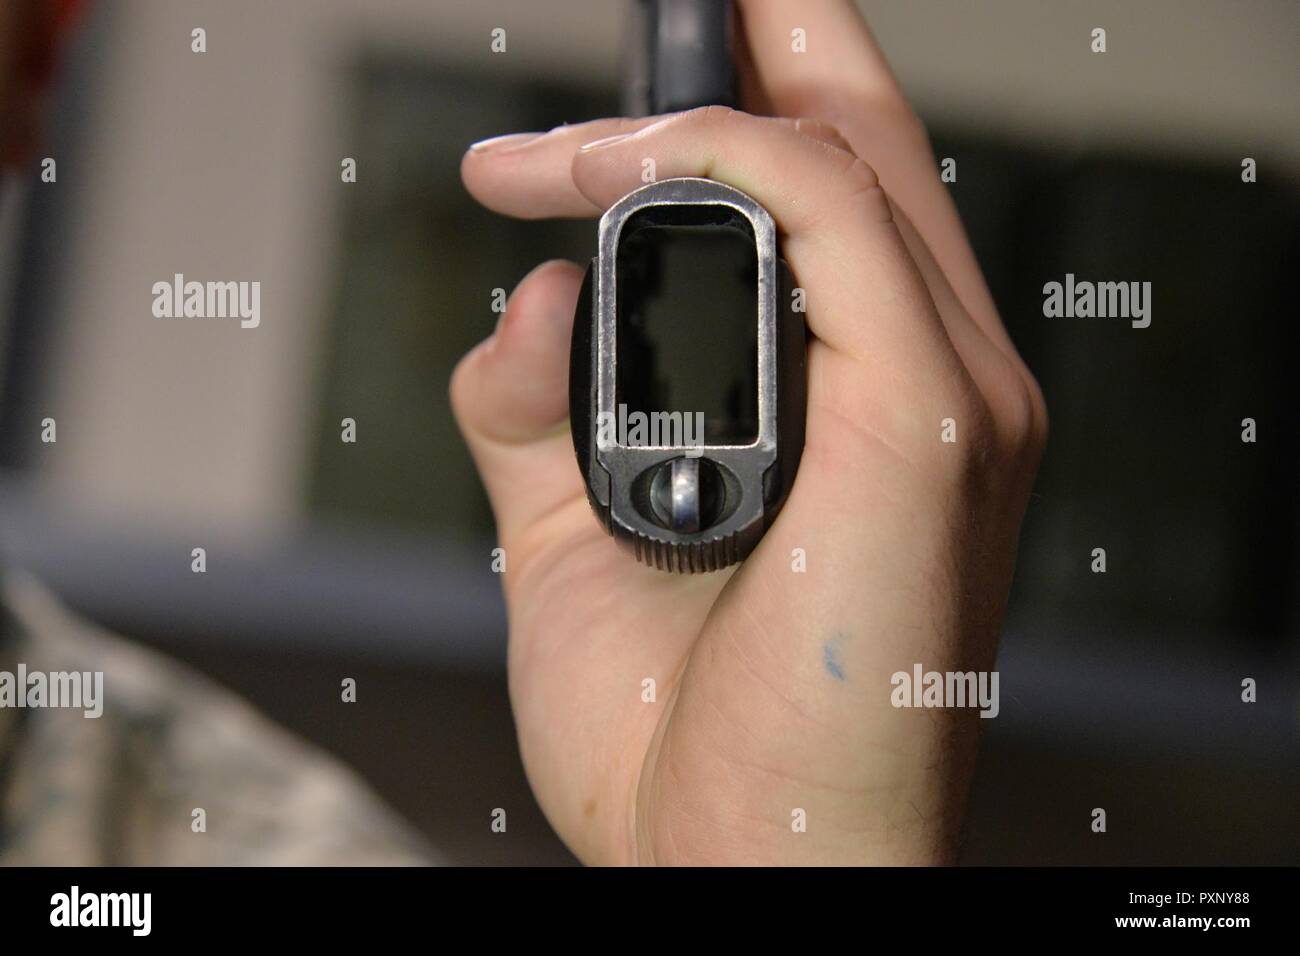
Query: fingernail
x,y
607,141
497,142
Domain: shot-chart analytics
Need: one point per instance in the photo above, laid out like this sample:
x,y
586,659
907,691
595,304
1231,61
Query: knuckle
x,y
710,115
857,191
871,118
460,386
822,130
1026,419
1036,437
857,176
1024,416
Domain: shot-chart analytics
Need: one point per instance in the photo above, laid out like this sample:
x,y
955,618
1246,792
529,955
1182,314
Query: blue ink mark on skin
x,y
831,658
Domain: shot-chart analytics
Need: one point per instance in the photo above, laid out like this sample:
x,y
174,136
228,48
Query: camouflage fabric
x,y
121,789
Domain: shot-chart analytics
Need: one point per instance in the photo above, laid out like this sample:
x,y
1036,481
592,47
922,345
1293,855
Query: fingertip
x,y
480,173
542,304
513,386
527,175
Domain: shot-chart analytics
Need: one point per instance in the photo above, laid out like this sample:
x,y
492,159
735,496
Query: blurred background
x,y
372,560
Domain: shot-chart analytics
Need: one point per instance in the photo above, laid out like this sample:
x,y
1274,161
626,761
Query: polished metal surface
x,y
745,465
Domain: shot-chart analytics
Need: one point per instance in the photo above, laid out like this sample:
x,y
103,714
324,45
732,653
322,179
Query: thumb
x,y
510,399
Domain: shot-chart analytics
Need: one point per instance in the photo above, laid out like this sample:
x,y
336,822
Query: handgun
x,y
687,379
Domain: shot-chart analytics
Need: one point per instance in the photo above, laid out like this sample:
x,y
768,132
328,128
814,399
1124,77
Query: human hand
x,y
773,686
